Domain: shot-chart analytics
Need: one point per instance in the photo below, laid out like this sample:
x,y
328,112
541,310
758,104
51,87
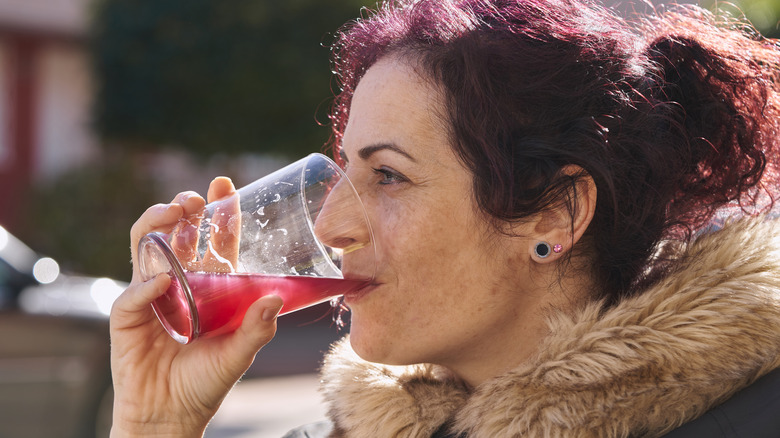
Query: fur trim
x,y
372,400
643,367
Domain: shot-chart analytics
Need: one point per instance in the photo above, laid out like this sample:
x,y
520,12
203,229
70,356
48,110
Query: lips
x,y
358,294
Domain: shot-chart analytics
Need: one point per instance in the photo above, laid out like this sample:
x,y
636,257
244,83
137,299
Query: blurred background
x,y
109,106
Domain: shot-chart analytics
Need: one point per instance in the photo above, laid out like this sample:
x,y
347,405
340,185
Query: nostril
x,y
342,242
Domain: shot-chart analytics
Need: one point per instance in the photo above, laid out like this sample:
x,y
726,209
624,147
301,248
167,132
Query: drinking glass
x,y
285,234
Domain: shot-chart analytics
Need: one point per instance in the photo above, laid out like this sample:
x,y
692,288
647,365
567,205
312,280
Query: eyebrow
x,y
365,152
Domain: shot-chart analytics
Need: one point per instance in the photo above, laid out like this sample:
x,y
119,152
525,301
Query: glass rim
x,y
161,241
342,177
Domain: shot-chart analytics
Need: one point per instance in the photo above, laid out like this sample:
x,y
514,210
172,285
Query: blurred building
x,y
45,95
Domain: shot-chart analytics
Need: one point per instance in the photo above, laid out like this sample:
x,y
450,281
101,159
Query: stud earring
x,y
542,249
557,248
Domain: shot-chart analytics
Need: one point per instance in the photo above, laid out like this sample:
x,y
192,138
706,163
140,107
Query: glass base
x,y
176,308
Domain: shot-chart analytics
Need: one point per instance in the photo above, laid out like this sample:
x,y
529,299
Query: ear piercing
x,y
543,249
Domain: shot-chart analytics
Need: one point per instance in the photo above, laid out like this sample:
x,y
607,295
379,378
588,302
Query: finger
x,y
163,217
133,306
159,217
257,330
191,201
225,227
220,187
184,241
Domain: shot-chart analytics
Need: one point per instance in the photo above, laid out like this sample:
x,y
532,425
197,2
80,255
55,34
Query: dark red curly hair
x,y
673,116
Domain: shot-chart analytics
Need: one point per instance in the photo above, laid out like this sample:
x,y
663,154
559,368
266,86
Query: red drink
x,y
223,299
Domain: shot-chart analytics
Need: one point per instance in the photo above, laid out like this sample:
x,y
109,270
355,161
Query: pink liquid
x,y
223,299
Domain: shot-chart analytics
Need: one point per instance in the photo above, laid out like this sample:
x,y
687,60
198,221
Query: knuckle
x,y
145,222
184,196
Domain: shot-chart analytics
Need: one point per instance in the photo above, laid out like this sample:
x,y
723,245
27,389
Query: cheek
x,y
393,227
427,261
412,241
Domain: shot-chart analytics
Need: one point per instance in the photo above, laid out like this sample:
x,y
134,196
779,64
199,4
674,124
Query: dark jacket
x,y
697,354
753,412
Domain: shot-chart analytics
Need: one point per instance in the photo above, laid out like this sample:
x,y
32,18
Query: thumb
x,y
258,327
132,307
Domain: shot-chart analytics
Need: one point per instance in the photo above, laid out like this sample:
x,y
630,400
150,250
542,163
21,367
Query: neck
x,y
517,340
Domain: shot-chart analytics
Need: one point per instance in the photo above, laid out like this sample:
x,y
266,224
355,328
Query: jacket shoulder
x,y
750,412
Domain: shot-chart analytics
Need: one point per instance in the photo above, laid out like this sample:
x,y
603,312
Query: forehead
x,y
393,102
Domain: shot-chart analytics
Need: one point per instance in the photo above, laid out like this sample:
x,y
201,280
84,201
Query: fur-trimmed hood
x,y
641,368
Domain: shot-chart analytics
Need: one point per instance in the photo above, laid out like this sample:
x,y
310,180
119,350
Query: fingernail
x,y
271,313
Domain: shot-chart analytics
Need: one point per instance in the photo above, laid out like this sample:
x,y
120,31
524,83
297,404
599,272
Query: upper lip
x,y
362,290
368,285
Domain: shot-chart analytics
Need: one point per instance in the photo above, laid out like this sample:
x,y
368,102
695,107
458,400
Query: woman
x,y
547,187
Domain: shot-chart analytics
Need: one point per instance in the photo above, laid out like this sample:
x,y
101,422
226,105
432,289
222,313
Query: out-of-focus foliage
x,y
237,75
90,211
216,75
763,14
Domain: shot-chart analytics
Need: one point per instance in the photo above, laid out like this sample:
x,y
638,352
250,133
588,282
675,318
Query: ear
x,y
562,225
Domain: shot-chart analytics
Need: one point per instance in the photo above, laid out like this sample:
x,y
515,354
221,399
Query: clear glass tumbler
x,y
287,233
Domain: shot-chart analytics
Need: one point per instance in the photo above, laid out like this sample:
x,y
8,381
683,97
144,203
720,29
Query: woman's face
x,y
448,289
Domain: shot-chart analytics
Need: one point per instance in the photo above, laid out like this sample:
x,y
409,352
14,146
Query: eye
x,y
389,176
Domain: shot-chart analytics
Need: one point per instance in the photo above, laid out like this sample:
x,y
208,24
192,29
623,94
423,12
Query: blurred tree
x,y
236,75
86,216
763,14
216,75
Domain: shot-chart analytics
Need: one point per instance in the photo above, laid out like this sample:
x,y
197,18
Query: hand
x,y
163,388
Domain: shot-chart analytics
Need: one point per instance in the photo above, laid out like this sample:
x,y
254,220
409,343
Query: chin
x,y
365,348
379,351
369,348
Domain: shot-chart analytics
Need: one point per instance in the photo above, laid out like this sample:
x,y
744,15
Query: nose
x,y
341,222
